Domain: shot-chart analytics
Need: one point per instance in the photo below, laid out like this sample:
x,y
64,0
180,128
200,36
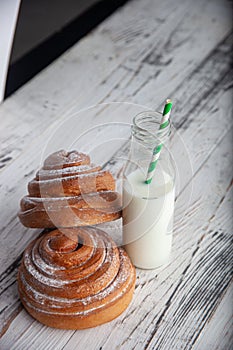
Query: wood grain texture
x,y
216,335
145,52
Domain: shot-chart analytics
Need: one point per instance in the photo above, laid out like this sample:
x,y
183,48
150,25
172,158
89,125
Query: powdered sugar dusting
x,y
92,175
52,304
68,170
62,279
29,199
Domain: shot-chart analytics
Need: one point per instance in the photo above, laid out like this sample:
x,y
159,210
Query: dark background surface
x,y
39,20
45,29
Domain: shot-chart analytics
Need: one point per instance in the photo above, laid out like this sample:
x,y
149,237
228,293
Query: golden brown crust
x,y
88,209
75,279
46,174
72,185
62,159
70,191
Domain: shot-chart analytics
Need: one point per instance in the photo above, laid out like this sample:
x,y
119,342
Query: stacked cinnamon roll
x,y
75,279
70,191
73,276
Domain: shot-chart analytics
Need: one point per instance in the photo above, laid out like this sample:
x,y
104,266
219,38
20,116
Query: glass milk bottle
x,y
148,209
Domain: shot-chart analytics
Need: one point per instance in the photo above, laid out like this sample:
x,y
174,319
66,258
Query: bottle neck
x,y
146,129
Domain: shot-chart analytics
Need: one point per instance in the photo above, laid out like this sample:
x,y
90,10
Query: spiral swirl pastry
x,y
70,191
75,278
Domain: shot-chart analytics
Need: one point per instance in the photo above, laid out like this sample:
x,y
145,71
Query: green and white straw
x,y
157,150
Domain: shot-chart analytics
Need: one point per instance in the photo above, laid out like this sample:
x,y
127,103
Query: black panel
x,y
38,58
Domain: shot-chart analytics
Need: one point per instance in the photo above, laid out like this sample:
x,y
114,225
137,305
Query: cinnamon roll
x,y
70,191
75,278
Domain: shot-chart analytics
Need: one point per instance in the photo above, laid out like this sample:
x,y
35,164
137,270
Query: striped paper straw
x,y
157,150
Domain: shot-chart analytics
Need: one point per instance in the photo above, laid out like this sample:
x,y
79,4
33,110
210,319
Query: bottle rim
x,y
145,128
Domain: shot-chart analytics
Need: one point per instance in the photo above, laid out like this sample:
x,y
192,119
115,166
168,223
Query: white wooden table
x,y
147,51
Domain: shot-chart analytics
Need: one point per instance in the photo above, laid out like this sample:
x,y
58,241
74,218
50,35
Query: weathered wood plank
x,y
27,168
44,100
188,69
192,130
205,141
166,298
201,285
169,30
163,298
218,335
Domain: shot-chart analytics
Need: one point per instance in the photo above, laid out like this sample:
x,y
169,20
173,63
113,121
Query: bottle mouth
x,y
145,128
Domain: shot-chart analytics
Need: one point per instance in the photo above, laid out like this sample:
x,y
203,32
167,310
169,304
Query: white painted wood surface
x,y
147,51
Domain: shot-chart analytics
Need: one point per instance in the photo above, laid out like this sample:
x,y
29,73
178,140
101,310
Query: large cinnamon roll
x,y
75,278
70,191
